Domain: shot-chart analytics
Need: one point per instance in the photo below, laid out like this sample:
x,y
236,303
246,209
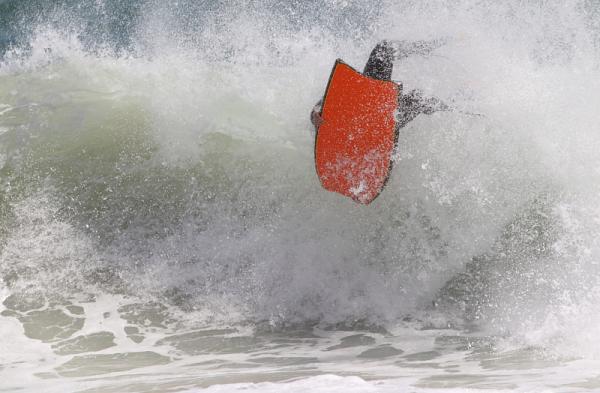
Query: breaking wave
x,y
168,157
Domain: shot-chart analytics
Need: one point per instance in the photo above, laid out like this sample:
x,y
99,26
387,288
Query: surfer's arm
x,y
414,104
425,105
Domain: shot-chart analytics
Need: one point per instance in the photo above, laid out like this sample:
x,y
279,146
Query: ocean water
x,y
162,228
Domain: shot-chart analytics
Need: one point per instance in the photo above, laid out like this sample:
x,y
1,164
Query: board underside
x,y
356,140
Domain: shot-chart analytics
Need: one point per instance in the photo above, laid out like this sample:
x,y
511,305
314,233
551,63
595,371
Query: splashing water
x,y
162,227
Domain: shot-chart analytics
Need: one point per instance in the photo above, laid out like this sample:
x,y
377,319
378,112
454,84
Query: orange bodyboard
x,y
356,140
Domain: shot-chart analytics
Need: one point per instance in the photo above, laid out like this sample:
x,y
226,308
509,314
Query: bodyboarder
x,y
357,122
380,66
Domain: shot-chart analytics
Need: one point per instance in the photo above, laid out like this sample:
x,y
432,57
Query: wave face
x,y
163,152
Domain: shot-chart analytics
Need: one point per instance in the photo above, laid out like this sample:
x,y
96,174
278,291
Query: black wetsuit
x,y
380,66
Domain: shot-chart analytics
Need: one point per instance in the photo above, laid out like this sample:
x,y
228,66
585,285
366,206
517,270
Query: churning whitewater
x,y
162,227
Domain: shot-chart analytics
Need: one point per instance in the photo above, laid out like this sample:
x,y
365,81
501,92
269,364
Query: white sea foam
x,y
170,188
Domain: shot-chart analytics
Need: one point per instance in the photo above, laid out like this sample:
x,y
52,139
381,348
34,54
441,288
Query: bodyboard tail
x,y
356,140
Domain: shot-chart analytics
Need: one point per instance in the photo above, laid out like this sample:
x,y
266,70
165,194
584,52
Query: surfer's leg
x,y
403,49
381,62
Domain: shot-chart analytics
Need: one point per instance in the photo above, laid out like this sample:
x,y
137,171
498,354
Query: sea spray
x,y
166,167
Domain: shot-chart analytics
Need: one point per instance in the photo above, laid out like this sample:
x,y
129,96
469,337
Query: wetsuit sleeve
x,y
414,104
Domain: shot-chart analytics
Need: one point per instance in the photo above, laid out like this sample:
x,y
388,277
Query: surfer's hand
x,y
414,103
433,104
316,119
315,115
